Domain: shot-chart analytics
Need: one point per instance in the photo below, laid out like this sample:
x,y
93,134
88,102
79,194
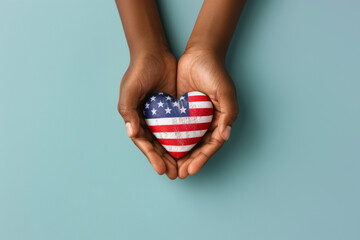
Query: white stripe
x,y
177,120
196,93
185,148
200,104
179,135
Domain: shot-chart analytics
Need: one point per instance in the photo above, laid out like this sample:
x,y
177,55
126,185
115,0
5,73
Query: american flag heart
x,y
178,124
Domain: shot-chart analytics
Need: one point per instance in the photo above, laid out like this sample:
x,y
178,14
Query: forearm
x,y
215,25
142,26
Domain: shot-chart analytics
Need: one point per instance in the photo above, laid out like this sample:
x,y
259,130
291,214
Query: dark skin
x,y
202,68
152,69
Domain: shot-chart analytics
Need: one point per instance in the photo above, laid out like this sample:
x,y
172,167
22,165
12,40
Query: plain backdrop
x,y
289,171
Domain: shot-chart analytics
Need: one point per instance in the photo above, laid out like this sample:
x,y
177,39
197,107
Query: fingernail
x,y
129,129
226,133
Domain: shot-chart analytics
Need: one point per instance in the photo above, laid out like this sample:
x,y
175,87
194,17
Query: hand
x,y
148,73
202,70
198,70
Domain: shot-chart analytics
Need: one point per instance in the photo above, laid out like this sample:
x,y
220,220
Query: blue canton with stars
x,y
162,105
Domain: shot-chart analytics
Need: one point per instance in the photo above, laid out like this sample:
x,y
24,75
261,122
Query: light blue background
x,y
290,170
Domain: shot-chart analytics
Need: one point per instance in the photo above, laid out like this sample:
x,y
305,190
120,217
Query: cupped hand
x,y
202,70
147,74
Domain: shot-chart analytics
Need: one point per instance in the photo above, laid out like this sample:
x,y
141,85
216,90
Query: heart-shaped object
x,y
178,124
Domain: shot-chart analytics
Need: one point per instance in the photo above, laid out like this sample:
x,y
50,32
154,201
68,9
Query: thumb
x,y
128,108
229,110
132,121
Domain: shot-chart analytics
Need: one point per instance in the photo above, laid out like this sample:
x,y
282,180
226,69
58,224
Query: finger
x,y
132,121
170,163
171,170
181,161
129,99
152,155
183,169
182,165
185,162
205,151
228,111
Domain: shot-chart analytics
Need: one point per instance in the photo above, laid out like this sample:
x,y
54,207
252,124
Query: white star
x,y
147,105
153,111
153,98
160,104
167,110
161,93
175,104
182,110
182,98
168,98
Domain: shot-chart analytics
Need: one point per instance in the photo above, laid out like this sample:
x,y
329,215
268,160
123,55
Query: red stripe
x,y
198,98
180,128
194,112
178,154
179,142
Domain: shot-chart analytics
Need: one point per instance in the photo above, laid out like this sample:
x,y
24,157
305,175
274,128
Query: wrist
x,y
207,50
156,63
206,47
156,47
154,52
